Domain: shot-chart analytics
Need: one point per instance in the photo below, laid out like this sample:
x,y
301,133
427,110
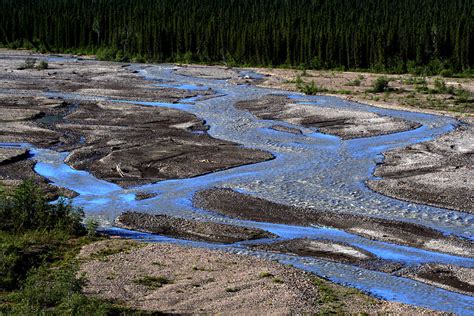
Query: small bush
x,y
28,64
380,85
153,282
311,89
42,65
441,87
354,83
446,73
277,280
265,275
91,227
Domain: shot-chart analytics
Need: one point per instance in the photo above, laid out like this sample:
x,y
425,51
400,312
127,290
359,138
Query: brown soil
x,y
177,279
343,123
188,229
438,172
238,205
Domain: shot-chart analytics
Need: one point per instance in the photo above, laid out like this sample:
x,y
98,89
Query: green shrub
x,y
42,65
355,83
311,88
26,209
91,227
446,73
441,87
380,85
152,282
28,64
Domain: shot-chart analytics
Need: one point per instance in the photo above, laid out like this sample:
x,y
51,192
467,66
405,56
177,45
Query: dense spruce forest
x,y
383,35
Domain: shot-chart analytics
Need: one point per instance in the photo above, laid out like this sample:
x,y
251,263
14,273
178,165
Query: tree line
x,y
385,35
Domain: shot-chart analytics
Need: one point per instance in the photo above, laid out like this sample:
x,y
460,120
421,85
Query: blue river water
x,y
312,170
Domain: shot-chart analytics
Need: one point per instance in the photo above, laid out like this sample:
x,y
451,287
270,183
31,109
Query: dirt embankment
x,y
122,143
188,229
238,205
176,279
346,124
439,172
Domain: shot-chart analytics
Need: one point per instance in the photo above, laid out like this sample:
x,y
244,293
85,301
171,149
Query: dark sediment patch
x,y
238,205
330,250
140,196
452,278
188,229
439,172
347,124
286,129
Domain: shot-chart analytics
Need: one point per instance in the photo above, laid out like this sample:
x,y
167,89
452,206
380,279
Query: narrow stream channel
x,y
311,170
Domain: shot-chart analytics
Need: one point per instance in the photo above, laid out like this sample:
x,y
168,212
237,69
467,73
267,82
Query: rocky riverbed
x,y
177,279
439,172
346,124
202,154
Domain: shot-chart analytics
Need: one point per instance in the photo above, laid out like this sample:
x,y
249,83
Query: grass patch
x,y
116,248
328,298
277,280
262,275
152,282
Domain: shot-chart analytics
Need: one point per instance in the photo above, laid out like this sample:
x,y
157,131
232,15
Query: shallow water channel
x,y
311,170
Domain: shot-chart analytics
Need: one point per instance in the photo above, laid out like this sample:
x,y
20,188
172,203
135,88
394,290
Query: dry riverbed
x,y
178,279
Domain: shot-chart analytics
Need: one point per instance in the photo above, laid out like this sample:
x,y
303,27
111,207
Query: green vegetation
x,y
30,63
112,249
265,275
370,34
356,82
277,280
153,282
42,65
311,88
38,247
328,297
380,85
